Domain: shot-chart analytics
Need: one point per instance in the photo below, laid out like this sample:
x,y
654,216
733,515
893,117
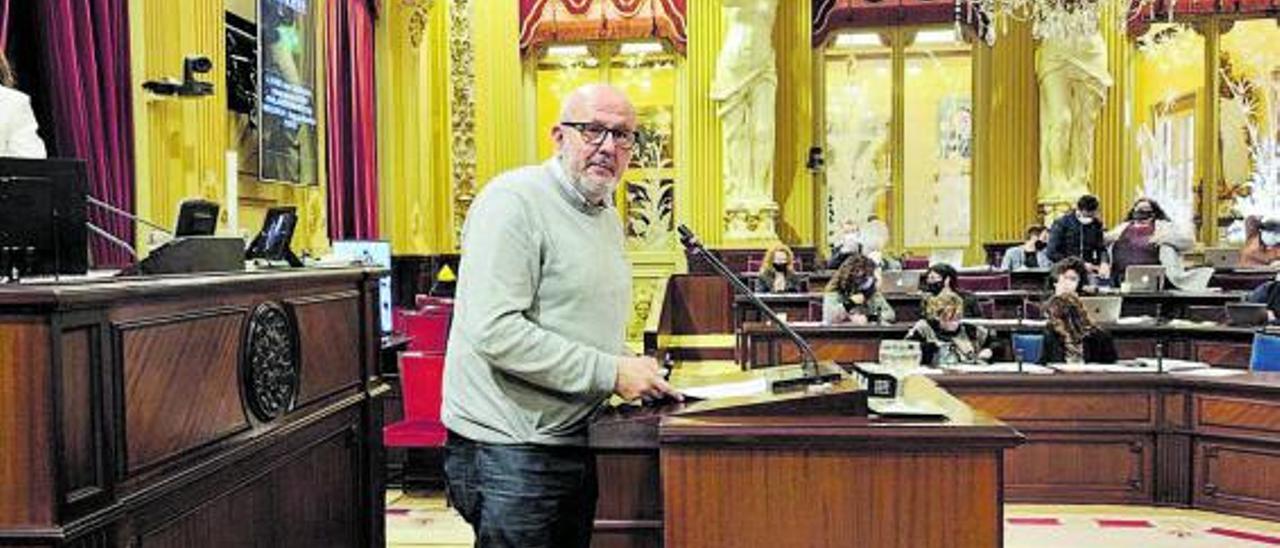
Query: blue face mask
x,y
868,284
1270,238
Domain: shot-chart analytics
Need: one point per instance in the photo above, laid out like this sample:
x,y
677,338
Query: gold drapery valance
x,y
543,21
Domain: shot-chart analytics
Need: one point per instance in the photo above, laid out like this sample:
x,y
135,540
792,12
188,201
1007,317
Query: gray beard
x,y
578,181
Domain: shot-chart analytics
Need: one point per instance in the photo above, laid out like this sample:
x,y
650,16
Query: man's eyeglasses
x,y
594,134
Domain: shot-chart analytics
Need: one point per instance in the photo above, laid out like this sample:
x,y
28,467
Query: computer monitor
x,y
273,241
197,218
43,226
371,253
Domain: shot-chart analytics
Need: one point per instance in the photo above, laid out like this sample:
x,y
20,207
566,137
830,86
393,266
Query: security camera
x,y
189,86
196,63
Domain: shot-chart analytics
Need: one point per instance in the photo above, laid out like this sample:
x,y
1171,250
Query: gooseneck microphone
x,y
812,373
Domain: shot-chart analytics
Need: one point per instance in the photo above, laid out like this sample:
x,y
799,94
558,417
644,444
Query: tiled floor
x,y
426,521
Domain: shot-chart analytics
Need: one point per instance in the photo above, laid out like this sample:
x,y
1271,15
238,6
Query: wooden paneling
x,y
1175,411
1084,469
629,511
1084,409
716,498
81,423
26,464
697,305
325,331
1242,416
1173,472
1238,478
1223,354
181,383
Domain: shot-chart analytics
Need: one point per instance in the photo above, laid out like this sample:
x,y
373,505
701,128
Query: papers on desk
x,y
898,408
1140,365
1179,322
728,390
1212,372
1136,320
1030,324
1000,367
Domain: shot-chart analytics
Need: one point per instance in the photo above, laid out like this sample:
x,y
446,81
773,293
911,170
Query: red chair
x,y
427,301
984,282
421,382
915,263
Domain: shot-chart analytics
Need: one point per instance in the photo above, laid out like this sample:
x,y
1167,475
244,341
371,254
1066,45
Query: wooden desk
x,y
217,410
799,471
1211,443
764,345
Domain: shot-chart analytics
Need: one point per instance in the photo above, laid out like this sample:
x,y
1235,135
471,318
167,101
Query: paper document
x,y
1212,372
1001,367
1173,365
728,390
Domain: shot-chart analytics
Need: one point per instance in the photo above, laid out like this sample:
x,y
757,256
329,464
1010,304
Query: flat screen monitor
x,y
273,241
371,253
42,216
197,218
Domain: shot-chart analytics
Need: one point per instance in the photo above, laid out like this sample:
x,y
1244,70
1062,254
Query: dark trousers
x,y
525,496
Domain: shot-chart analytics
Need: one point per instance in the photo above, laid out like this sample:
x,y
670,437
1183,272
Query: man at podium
x,y
538,338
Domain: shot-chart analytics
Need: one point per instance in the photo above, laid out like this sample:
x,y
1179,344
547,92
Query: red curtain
x,y
352,148
87,80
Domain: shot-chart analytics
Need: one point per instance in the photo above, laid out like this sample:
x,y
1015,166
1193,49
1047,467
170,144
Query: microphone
x,y
126,214
113,239
812,374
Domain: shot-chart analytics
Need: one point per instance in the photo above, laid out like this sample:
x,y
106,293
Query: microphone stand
x,y
812,375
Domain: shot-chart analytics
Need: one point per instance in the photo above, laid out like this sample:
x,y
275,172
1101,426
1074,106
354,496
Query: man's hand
x,y
640,377
1104,271
985,354
858,319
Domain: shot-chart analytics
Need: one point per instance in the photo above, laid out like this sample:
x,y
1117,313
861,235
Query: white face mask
x,y
1270,239
1084,220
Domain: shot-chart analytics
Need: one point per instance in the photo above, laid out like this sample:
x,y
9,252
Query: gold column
x,y
1210,156
1007,159
1114,139
794,187
699,196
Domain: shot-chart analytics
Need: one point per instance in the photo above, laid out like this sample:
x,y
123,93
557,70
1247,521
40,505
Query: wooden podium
x,y
200,410
800,470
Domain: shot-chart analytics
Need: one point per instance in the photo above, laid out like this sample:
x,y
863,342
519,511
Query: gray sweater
x,y
543,297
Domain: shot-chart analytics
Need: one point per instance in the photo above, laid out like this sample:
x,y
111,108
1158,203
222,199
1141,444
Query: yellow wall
x,y
181,144
499,101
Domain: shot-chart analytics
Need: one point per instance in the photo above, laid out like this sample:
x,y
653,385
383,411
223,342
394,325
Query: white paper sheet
x,y
728,390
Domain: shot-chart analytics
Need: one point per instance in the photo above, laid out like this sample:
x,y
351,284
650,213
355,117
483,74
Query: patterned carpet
x,y
426,521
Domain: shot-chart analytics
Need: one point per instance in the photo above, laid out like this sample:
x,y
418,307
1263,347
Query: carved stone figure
x,y
1072,70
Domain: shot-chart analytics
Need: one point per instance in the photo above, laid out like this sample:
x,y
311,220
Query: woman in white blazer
x,y
17,121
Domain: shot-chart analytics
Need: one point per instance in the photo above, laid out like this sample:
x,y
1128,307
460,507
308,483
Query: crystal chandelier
x,y
1049,18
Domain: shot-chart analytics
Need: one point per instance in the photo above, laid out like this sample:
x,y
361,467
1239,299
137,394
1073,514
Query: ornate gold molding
x,y
462,82
419,14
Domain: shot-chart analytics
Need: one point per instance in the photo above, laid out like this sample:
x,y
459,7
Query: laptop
x,y
1104,310
900,281
1144,278
1222,257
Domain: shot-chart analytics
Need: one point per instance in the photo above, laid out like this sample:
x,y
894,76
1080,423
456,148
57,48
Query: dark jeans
x,y
525,496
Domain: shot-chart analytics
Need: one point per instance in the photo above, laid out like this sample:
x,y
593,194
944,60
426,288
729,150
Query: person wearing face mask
x,y
1080,234
777,272
1031,254
944,338
538,336
942,277
852,296
1142,238
1262,243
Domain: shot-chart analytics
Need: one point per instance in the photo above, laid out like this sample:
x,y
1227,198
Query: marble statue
x,y
1073,76
745,87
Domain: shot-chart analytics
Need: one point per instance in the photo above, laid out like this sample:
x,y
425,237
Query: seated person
x,y
1261,243
852,295
1068,276
1031,254
1141,240
1268,294
1071,336
944,339
777,272
942,277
